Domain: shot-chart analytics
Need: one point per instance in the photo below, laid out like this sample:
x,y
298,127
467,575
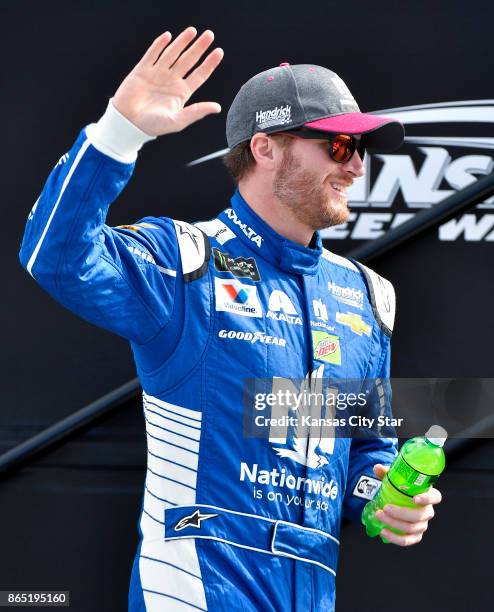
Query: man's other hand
x,y
154,94
413,522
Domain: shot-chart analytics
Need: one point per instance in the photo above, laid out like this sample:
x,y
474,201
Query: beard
x,y
308,200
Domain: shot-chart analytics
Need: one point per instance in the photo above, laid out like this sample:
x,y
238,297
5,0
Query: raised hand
x,y
154,94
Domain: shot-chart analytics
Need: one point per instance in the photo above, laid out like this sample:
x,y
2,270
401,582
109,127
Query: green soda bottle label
x,y
408,480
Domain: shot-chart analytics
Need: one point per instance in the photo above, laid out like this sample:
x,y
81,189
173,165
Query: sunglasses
x,y
341,146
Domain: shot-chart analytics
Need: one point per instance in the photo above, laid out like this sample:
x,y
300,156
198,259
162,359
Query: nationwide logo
x,y
281,308
354,322
280,115
238,266
326,347
233,296
251,337
194,520
279,479
347,295
320,310
432,165
248,231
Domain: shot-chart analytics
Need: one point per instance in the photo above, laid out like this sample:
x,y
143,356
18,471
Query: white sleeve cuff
x,y
116,136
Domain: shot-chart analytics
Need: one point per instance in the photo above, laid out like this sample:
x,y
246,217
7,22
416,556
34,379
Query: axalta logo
x,y
425,173
235,297
281,308
251,337
248,231
280,115
347,295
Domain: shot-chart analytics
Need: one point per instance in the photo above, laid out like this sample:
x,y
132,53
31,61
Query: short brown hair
x,y
240,161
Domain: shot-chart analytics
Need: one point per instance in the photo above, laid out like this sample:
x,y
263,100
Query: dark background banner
x,y
61,61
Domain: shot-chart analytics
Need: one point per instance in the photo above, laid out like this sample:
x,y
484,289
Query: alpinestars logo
x,y
238,266
194,520
280,115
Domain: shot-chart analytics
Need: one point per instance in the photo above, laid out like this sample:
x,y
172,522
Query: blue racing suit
x,y
230,520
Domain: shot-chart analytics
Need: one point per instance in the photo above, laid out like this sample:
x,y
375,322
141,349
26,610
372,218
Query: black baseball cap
x,y
304,95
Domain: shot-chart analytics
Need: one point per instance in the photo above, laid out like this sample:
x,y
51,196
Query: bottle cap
x,y
436,435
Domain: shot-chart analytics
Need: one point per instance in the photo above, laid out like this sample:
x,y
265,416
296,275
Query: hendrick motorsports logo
x,y
274,116
426,170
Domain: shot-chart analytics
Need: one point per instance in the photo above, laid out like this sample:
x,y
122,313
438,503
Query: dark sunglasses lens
x,y
342,148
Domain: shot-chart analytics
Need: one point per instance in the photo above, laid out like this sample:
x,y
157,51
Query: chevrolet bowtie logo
x,y
194,520
354,322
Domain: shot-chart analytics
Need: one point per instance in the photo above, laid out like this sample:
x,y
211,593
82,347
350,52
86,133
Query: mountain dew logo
x,y
326,347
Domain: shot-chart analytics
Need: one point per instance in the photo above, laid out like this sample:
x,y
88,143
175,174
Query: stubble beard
x,y
306,197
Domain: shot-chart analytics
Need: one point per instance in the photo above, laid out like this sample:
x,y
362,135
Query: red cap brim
x,y
387,134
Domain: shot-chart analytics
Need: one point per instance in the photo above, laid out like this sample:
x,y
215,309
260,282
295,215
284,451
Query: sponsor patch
x,y
238,266
320,310
326,347
251,337
355,322
233,296
281,308
367,487
280,115
248,231
194,520
347,295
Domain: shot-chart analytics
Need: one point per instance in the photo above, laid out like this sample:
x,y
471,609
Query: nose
x,y
355,165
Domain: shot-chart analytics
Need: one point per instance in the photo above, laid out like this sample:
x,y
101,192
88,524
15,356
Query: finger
x,y
204,70
157,47
380,470
189,58
411,515
404,526
172,52
433,496
401,540
194,112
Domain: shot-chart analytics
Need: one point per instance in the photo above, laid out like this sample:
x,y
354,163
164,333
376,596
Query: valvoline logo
x,y
240,296
237,298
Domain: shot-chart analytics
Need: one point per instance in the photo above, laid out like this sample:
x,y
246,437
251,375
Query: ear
x,y
264,150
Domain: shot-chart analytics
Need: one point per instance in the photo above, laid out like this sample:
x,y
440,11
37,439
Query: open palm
x,y
154,94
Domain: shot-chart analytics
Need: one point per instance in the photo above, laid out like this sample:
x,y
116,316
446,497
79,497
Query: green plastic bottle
x,y
416,468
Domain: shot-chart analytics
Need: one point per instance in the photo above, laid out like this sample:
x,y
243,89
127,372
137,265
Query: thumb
x,y
194,112
381,470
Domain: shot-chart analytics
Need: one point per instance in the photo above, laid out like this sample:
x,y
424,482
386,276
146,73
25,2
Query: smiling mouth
x,y
339,189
